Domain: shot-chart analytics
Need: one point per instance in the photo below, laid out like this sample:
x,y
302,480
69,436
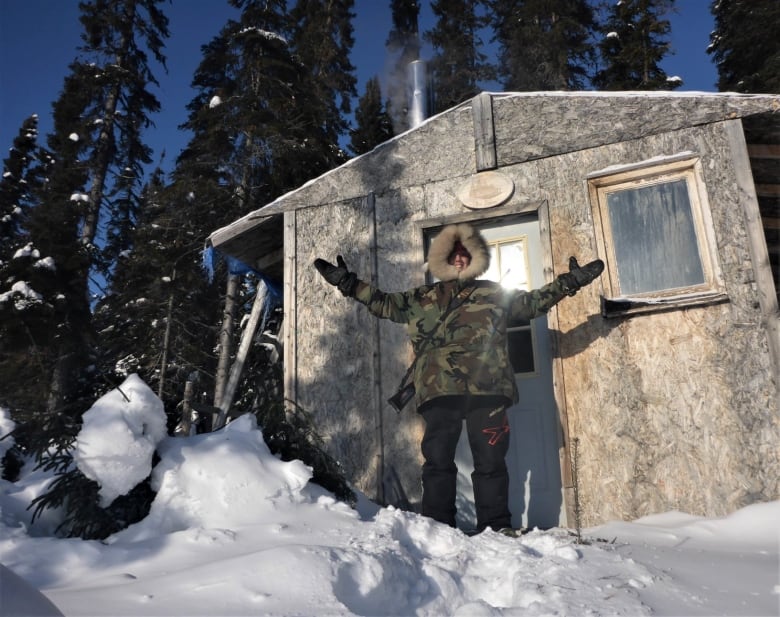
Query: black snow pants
x,y
488,433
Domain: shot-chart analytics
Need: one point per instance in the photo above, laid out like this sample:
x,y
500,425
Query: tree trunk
x,y
231,307
105,143
59,384
226,338
166,341
65,371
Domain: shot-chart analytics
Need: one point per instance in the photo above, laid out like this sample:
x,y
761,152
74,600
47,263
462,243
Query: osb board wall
x,y
337,338
672,410
399,269
335,341
535,126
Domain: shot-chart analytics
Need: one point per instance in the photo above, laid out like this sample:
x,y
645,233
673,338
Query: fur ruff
x,y
442,246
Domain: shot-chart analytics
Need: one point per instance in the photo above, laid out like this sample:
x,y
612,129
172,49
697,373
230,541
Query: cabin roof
x,y
525,126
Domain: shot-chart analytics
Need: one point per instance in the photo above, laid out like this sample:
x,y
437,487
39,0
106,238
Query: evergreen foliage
x,y
245,82
745,45
373,123
246,86
161,306
62,338
15,186
322,40
635,39
543,44
89,176
116,74
25,312
457,65
93,166
78,497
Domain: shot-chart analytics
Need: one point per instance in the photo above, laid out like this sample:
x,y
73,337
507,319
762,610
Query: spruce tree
x,y
253,138
321,40
161,306
247,109
373,124
96,172
543,44
272,90
26,278
15,186
634,42
115,68
92,171
457,65
745,45
403,47
246,85
54,227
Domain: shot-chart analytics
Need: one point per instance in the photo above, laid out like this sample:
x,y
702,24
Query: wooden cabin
x,y
654,389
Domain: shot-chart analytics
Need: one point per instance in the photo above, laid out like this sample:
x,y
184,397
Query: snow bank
x,y
235,531
120,434
220,479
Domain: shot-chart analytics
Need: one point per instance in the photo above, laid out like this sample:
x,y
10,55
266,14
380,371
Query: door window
x,y
509,266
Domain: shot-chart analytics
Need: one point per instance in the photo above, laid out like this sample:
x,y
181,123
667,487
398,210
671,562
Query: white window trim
x,y
684,166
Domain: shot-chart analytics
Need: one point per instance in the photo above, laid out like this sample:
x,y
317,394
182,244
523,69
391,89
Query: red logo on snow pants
x,y
497,432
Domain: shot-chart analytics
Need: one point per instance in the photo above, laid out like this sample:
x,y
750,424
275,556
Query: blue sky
x,y
38,40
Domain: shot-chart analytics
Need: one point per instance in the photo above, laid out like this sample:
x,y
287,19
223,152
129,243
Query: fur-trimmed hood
x,y
442,246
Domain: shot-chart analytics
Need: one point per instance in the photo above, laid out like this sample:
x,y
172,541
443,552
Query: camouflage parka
x,y
467,352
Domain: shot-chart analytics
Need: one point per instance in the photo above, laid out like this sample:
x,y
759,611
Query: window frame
x,y
685,167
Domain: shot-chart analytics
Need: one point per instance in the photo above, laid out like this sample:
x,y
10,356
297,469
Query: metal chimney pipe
x,y
417,93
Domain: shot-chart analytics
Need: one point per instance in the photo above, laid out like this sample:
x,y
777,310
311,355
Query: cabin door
x,y
535,493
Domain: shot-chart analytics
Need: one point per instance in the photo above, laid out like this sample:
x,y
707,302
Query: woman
x,y
458,330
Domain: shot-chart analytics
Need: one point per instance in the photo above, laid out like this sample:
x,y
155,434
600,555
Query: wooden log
x,y
756,240
484,133
247,337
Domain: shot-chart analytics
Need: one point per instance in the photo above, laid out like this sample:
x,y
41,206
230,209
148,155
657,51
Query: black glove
x,y
338,276
578,277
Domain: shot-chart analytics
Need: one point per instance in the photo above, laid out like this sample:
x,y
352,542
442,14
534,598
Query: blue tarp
x,y
211,257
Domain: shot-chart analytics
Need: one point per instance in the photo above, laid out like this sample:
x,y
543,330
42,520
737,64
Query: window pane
x,y
514,274
521,351
493,273
508,264
654,238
